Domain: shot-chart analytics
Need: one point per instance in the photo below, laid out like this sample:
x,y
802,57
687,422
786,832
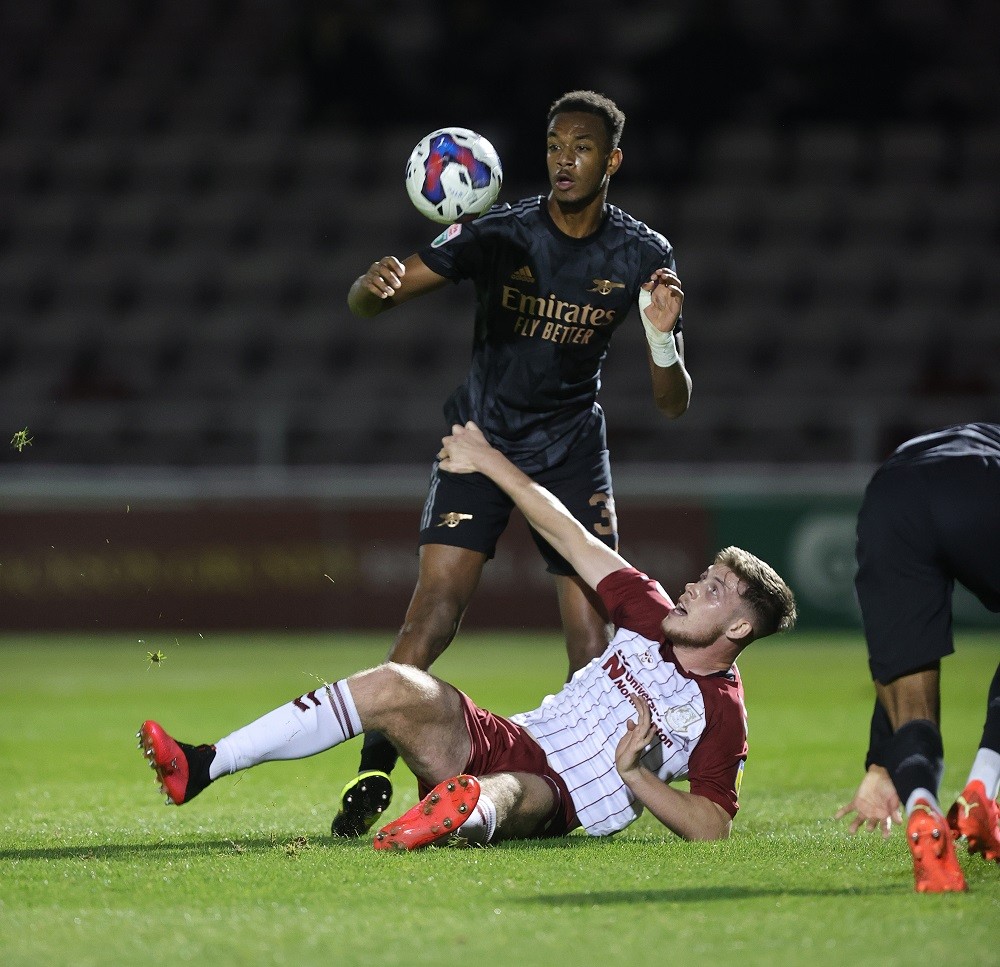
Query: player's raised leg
x,y
447,578
419,713
182,769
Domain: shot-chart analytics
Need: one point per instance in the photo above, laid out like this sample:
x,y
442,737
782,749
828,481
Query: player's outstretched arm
x,y
660,302
466,450
688,815
389,282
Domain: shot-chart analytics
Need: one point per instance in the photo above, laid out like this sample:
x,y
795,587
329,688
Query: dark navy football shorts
x,y
919,529
470,511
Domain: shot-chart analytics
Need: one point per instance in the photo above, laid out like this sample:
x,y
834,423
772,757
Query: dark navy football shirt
x,y
546,308
976,440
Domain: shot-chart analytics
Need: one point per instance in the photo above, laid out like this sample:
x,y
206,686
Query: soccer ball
x,y
453,175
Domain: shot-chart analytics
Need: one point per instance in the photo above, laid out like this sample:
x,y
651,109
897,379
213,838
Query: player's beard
x,y
685,641
690,639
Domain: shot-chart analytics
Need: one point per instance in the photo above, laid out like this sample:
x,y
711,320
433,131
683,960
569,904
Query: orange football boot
x,y
935,865
977,817
434,819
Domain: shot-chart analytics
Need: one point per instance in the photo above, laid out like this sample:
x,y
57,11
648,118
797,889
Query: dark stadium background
x,y
189,187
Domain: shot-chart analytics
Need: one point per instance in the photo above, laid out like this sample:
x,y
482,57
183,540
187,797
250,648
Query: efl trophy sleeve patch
x,y
452,231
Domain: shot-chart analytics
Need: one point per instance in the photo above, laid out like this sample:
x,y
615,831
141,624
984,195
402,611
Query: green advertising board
x,y
810,541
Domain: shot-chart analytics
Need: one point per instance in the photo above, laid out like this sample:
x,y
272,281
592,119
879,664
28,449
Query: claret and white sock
x,y
312,723
481,825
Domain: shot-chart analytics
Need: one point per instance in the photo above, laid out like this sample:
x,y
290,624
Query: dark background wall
x,y
190,187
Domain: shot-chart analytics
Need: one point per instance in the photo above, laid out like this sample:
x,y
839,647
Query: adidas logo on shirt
x,y
523,274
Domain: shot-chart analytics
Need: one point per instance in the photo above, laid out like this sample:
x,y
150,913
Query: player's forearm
x,y
671,388
363,302
543,511
684,813
591,558
466,450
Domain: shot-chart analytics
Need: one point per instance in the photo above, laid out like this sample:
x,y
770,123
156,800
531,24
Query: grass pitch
x,y
94,869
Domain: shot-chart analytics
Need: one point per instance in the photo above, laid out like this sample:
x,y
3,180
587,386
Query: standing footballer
x,y
930,517
555,275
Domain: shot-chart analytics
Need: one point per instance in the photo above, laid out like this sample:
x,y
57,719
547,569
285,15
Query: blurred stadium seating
x,y
184,212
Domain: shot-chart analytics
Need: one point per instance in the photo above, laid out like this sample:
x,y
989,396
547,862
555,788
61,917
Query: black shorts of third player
x,y
470,511
919,529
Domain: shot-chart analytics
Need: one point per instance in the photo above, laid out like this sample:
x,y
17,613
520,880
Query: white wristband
x,y
662,345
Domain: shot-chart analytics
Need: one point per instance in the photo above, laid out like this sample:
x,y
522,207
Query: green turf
x,y
94,869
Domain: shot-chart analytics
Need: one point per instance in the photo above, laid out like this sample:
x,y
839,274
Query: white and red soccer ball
x,y
453,175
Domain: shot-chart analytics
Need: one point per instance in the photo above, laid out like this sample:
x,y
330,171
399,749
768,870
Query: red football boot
x,y
434,819
181,768
976,817
935,865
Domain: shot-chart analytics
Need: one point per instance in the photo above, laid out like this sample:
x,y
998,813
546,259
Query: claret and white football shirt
x,y
700,719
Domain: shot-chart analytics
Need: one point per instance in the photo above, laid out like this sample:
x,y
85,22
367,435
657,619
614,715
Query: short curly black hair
x,y
590,102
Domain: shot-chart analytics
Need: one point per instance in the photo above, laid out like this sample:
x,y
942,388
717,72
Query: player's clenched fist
x,y
384,277
464,450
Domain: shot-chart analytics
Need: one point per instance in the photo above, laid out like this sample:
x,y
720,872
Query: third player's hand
x,y
875,805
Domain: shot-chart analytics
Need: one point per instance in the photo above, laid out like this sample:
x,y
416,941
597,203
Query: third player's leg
x,y
915,695
915,755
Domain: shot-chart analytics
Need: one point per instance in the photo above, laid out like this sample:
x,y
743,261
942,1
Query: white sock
x,y
986,768
924,794
313,723
481,825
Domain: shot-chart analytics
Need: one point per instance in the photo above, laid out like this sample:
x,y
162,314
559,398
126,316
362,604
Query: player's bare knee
x,y
392,693
408,688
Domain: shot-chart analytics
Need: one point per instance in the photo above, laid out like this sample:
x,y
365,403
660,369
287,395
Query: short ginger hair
x,y
769,598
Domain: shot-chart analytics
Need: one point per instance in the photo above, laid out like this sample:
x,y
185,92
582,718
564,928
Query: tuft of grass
x,y
96,870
